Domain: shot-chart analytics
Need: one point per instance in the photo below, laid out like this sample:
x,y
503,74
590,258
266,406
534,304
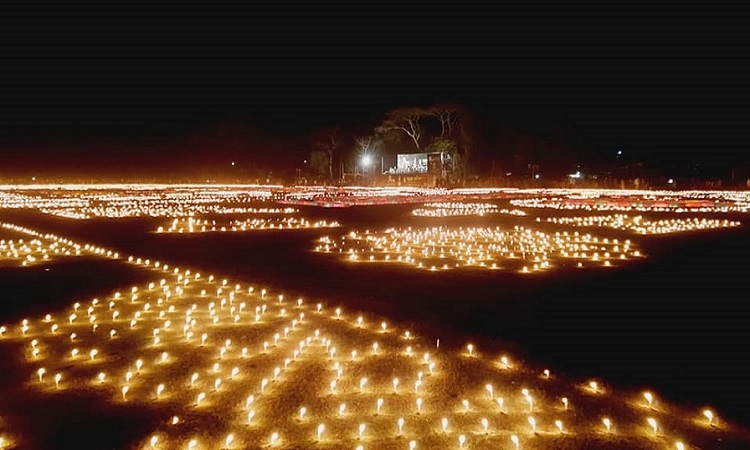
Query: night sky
x,y
100,88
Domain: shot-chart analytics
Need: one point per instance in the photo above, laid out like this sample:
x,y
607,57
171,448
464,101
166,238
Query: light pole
x,y
366,162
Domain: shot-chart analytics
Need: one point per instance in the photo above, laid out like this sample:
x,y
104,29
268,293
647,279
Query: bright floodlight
x,y
366,160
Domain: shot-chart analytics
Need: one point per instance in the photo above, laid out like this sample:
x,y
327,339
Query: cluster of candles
x,y
119,201
39,247
455,209
625,203
193,225
159,200
641,225
352,196
442,248
681,201
5,442
281,372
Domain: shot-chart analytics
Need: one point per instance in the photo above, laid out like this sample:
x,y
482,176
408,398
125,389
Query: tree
x,y
444,128
447,116
465,141
456,140
327,141
320,164
404,120
367,144
451,160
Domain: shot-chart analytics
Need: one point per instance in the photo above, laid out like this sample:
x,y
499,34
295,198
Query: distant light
x,y
366,160
232,162
670,181
619,152
537,176
576,175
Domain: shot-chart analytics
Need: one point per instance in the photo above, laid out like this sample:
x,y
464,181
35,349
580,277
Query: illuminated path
x,y
456,209
243,367
641,225
192,225
34,247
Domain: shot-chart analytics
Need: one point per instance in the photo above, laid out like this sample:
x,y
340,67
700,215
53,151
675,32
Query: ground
x,y
303,315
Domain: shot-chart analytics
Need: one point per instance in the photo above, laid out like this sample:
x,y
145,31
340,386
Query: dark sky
x,y
111,80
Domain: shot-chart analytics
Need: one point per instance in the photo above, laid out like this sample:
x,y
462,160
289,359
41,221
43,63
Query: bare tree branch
x,y
447,115
405,120
366,144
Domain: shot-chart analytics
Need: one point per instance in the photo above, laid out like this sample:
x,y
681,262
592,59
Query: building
x,y
417,169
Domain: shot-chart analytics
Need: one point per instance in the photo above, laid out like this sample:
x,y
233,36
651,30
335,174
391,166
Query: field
x,y
501,306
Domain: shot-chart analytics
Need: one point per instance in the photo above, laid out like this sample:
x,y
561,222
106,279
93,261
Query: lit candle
x,y
321,428
710,416
649,398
